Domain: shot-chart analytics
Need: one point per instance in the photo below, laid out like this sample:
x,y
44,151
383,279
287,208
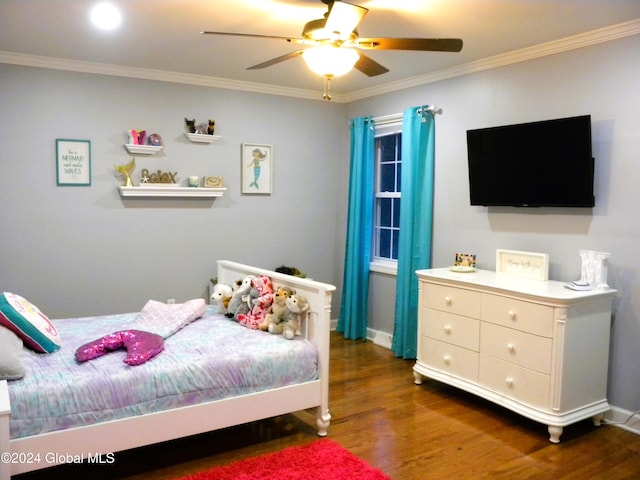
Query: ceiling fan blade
x,y
423,44
246,35
343,18
369,67
302,41
276,60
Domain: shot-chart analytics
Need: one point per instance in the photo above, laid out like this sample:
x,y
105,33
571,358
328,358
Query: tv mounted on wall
x,y
539,164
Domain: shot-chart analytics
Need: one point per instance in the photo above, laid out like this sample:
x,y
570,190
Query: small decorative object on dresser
x,y
532,346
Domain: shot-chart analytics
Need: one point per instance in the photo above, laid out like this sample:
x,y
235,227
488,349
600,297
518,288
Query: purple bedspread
x,y
211,359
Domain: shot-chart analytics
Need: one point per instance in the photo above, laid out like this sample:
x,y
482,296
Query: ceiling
x,y
163,35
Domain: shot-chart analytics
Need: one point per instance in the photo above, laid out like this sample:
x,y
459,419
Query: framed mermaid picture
x,y
257,168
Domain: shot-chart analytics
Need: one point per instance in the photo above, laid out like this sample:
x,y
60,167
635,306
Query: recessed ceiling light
x,y
105,16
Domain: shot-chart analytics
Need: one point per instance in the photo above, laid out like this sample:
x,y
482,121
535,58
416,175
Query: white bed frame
x,y
89,442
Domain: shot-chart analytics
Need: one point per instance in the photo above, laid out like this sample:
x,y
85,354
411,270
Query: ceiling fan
x,y
336,35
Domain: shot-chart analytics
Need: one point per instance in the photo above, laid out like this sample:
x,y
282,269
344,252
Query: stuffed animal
x,y
238,304
278,308
296,305
261,304
221,296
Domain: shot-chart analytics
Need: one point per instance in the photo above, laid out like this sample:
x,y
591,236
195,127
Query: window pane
x,y
388,177
394,252
388,148
385,212
399,175
396,212
384,244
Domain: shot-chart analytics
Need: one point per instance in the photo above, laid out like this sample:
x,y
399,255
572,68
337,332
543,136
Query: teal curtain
x,y
355,285
416,219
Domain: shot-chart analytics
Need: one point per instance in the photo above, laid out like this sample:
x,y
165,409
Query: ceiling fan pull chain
x,y
327,88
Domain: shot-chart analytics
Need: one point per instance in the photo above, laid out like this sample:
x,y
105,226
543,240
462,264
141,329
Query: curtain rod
x,y
396,117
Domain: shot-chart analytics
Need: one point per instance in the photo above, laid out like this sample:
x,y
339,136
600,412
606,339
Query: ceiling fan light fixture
x,y
327,60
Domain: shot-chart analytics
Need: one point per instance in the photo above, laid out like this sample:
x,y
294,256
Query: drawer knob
x,y
511,347
447,329
512,315
447,300
509,381
446,359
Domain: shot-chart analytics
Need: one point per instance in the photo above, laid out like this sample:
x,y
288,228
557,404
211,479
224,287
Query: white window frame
x,y
389,125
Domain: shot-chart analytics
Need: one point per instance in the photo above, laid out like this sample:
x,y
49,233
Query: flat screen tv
x,y
539,164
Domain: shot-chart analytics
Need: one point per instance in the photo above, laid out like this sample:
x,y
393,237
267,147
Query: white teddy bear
x,y
221,296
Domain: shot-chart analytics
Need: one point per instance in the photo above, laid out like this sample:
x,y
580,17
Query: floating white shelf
x,y
202,138
142,149
170,190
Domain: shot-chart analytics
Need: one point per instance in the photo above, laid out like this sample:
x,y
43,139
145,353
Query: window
x,y
386,225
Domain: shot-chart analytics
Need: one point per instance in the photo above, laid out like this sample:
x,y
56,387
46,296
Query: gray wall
x,y
78,251
83,250
600,80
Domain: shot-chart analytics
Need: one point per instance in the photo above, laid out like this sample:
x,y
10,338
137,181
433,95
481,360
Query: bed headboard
x,y
318,294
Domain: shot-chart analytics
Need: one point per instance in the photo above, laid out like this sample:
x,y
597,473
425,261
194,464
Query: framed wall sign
x,y
257,168
73,161
523,264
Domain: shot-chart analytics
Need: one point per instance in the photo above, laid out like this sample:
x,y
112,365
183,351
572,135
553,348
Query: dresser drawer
x,y
526,316
448,358
451,328
515,382
523,349
451,299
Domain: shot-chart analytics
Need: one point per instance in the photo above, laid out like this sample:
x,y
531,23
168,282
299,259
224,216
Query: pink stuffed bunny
x,y
261,304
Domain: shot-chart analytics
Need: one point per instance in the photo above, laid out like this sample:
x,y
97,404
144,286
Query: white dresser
x,y
532,346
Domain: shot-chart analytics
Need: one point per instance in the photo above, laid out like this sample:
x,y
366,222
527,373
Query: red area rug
x,y
321,460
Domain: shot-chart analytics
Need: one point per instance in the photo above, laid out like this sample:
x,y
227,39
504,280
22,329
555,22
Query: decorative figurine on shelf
x,y
154,140
191,125
158,177
137,137
126,171
200,128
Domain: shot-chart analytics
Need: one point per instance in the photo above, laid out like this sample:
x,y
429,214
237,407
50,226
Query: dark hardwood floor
x,y
408,431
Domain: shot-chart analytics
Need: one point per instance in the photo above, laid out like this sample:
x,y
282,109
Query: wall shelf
x,y
142,149
202,138
170,191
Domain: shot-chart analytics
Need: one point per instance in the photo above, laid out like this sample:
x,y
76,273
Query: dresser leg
x,y
554,433
417,378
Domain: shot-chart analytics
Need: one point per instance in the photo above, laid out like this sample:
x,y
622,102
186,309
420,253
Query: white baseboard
x,y
624,419
379,338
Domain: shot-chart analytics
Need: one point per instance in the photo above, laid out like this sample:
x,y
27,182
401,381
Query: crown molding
x,y
593,37
158,75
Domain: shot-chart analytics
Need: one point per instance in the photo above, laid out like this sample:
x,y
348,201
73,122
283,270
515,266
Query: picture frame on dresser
x,y
523,264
